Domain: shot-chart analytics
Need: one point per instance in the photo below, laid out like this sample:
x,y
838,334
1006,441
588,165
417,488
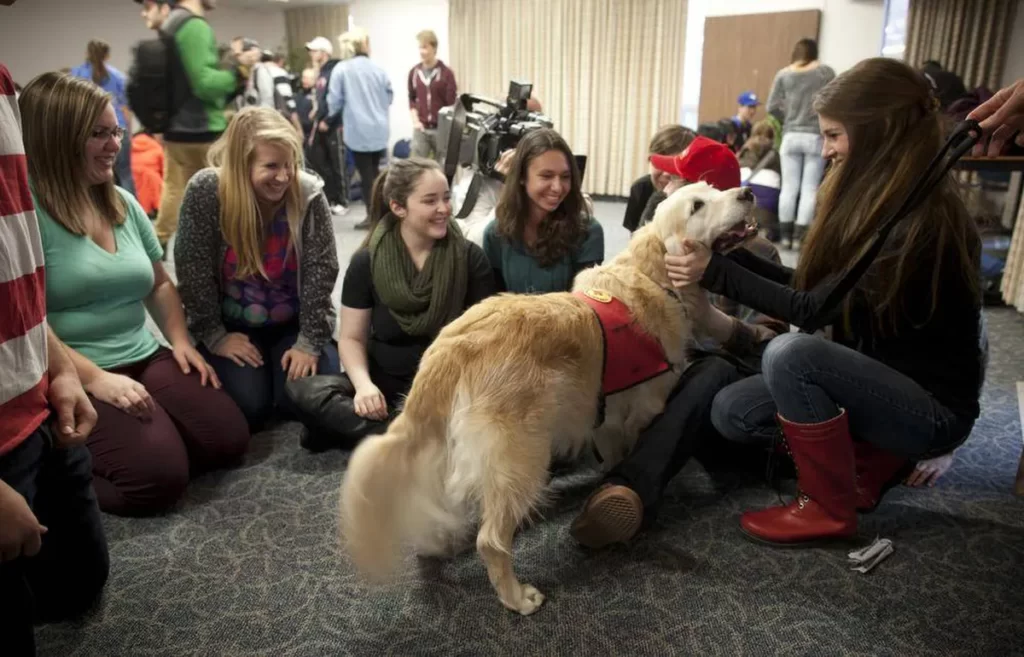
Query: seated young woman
x,y
162,415
670,141
631,492
413,275
257,263
901,377
543,233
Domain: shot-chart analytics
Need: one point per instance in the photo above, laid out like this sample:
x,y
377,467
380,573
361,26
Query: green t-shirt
x,y
94,299
522,273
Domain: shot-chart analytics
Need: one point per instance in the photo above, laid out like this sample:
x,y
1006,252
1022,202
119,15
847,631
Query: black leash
x,y
963,138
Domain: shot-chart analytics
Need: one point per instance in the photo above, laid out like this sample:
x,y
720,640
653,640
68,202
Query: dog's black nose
x,y
746,194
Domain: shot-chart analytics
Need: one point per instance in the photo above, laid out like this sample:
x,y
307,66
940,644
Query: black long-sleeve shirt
x,y
941,353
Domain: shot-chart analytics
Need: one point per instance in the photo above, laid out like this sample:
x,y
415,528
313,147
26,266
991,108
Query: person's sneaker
x,y
339,209
612,514
363,225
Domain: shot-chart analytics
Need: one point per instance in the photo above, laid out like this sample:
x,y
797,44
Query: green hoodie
x,y
201,117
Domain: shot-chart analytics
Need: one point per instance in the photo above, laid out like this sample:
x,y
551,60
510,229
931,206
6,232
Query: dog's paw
x,y
530,600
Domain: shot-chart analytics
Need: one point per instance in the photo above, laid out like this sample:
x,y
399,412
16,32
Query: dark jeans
x,y
123,165
142,467
324,406
327,159
67,575
259,391
368,165
807,379
678,433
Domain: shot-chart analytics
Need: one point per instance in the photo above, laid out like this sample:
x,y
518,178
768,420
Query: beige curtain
x,y
608,72
968,37
302,24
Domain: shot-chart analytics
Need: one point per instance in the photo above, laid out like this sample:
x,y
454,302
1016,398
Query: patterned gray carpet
x,y
249,566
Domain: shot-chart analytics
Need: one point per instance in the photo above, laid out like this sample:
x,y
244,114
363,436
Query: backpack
x,y
284,98
157,84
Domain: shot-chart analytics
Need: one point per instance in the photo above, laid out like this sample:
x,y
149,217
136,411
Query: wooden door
x,y
743,53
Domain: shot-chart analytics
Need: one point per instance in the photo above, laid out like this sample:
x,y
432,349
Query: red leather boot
x,y
825,506
878,470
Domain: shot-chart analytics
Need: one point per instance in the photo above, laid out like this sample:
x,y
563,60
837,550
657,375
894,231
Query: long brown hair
x,y
58,114
97,52
566,227
804,52
894,132
240,221
396,183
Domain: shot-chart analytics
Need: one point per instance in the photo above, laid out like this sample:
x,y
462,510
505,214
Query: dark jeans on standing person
x,y
324,405
327,159
259,391
142,466
68,574
123,165
368,166
807,379
682,429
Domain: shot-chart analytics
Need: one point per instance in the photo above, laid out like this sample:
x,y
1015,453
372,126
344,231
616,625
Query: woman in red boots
x,y
901,376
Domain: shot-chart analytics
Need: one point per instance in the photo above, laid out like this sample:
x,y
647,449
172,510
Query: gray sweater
x,y
792,97
199,254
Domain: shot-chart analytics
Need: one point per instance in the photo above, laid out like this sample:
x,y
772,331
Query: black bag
x,y
157,85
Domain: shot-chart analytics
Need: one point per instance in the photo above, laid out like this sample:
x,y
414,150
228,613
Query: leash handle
x,y
961,140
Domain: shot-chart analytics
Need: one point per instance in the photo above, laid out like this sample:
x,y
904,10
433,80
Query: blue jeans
x,y
123,165
259,391
66,576
807,379
802,167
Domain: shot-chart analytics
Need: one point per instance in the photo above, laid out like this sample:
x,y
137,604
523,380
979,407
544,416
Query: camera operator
x,y
543,233
901,378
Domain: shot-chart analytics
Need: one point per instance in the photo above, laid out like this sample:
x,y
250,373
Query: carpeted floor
x,y
249,565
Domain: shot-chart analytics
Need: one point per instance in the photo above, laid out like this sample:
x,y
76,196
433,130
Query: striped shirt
x,y
23,361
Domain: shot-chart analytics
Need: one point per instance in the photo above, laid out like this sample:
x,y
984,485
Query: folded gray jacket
x,y
200,249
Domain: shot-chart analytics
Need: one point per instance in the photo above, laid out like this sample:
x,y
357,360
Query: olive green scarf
x,y
420,301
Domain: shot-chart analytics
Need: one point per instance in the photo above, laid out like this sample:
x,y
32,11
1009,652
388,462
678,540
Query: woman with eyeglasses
x,y
162,415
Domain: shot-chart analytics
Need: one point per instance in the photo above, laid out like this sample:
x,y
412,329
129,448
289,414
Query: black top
x,y
639,193
390,348
943,355
303,106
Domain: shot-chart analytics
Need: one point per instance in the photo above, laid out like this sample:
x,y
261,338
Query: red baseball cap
x,y
703,160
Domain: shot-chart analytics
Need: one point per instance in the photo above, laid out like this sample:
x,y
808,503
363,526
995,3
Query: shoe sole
x,y
825,541
613,518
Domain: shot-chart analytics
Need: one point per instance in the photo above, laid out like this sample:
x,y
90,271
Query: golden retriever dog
x,y
514,382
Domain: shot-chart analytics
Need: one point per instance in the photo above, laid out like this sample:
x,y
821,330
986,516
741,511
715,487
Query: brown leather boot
x,y
825,504
612,514
878,470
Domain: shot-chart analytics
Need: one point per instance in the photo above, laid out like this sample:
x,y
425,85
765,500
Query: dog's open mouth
x,y
737,234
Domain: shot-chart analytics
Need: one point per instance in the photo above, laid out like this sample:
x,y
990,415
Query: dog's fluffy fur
x,y
507,386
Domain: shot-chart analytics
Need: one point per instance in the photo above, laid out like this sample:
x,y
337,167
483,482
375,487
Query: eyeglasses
x,y
103,134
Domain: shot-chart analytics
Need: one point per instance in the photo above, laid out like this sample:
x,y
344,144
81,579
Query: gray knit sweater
x,y
792,97
199,254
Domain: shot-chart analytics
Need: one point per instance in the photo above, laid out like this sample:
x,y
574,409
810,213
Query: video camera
x,y
471,138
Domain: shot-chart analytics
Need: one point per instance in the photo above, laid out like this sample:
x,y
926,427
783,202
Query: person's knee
x,y
726,416
251,395
788,354
153,479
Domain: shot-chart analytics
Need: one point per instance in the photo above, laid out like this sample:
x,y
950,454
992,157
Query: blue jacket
x,y
361,93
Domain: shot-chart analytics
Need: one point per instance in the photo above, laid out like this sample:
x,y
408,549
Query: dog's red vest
x,y
631,355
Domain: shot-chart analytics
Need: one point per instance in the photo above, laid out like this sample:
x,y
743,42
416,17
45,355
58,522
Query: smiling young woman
x,y
543,234
414,273
257,262
161,413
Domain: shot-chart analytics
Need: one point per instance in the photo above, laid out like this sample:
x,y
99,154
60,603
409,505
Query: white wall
x,y
1014,68
393,25
45,35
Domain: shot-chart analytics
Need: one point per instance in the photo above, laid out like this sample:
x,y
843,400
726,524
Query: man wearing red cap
x,y
631,493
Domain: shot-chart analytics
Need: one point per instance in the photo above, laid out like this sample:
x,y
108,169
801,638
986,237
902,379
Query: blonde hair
x,y
359,40
59,113
346,50
427,37
241,223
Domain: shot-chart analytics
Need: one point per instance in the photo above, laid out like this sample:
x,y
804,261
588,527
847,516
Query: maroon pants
x,y
141,467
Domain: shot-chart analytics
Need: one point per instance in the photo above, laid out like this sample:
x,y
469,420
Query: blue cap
x,y
748,99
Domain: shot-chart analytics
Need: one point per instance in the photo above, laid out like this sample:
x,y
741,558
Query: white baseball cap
x,y
321,43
